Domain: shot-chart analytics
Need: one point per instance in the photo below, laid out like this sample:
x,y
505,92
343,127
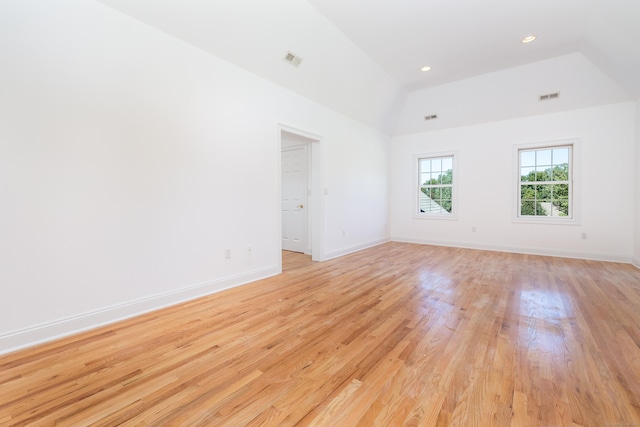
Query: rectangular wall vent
x,y
431,117
292,59
549,96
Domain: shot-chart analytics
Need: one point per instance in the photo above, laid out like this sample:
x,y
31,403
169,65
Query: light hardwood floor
x,y
399,334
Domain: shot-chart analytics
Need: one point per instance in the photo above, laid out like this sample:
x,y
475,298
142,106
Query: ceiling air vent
x,y
549,96
431,117
292,59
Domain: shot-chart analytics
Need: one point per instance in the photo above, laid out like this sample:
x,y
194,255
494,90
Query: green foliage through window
x,y
545,180
435,195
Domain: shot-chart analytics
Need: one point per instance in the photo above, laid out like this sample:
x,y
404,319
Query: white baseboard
x,y
636,262
519,250
352,249
50,331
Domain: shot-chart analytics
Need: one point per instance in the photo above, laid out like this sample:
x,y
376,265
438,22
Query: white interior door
x,y
294,198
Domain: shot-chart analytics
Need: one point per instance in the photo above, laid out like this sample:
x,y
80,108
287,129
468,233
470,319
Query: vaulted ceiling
x,y
363,58
465,38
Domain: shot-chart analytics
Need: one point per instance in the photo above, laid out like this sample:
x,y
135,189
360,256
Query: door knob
x,y
300,206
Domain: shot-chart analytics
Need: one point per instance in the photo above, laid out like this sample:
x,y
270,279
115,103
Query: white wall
x,y
636,258
129,162
486,184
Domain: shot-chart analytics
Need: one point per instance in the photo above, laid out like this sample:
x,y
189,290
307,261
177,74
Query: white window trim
x,y
454,188
574,187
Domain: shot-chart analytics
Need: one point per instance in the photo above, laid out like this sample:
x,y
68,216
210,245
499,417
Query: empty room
x,y
319,213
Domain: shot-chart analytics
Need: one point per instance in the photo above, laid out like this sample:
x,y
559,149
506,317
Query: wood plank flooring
x,y
396,335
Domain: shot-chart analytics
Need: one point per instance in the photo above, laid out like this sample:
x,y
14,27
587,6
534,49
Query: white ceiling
x,y
257,34
363,57
465,38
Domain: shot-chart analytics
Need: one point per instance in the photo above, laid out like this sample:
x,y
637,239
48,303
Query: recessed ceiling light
x,y
529,39
425,68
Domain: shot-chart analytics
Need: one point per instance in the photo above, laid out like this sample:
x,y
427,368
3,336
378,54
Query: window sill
x,y
436,216
548,221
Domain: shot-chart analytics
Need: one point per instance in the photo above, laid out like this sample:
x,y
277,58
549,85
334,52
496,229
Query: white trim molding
x,y
517,250
636,262
574,182
45,332
352,249
315,197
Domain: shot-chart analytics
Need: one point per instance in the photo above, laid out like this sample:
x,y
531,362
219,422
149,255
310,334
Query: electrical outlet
x,y
250,250
227,253
583,236
473,229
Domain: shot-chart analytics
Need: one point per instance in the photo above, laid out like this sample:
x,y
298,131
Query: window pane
x,y
436,165
527,158
560,156
543,192
559,209
432,205
527,192
561,191
435,178
425,165
563,208
422,197
447,177
447,163
527,174
561,172
544,173
543,158
527,208
446,193
542,208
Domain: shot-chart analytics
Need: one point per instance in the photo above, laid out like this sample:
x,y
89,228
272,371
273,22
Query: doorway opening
x,y
300,197
294,166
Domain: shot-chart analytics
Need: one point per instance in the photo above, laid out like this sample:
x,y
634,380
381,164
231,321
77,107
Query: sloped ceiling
x,y
510,93
363,58
465,38
257,34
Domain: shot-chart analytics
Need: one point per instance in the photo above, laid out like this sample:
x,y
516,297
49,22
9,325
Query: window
x,y
545,182
436,186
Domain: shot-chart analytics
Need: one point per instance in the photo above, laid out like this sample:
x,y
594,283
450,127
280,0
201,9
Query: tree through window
x,y
545,182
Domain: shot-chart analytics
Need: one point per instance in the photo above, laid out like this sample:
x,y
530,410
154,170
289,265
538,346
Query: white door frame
x,y
315,199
